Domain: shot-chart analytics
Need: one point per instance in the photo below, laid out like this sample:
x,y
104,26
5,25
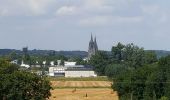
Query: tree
x,y
117,52
21,85
6,67
114,70
99,61
133,56
133,83
150,57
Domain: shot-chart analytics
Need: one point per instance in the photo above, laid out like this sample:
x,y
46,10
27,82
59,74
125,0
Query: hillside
x,y
161,53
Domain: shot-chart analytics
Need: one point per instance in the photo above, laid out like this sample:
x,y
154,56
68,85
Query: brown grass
x,y
80,94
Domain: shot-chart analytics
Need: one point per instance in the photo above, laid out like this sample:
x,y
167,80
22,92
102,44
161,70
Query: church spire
x,y
93,48
91,38
95,44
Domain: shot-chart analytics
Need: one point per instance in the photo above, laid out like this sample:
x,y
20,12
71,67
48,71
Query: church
x,y
93,48
70,69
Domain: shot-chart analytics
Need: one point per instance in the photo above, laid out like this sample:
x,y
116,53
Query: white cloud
x,y
95,21
3,12
66,10
96,6
109,20
164,18
150,9
24,7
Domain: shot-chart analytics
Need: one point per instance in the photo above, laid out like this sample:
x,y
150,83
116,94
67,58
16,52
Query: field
x,y
81,84
101,78
82,89
80,94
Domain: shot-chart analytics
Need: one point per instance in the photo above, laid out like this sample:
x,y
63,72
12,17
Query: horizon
x,y
66,25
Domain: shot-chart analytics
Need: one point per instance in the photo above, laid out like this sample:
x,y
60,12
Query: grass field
x,y
81,84
96,88
80,94
101,78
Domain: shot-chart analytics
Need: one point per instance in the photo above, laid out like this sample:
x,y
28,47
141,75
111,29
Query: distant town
x,y
58,66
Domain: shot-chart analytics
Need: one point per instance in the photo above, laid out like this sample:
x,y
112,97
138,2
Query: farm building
x,y
72,71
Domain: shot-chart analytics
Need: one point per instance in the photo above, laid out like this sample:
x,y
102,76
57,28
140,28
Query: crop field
x,y
84,94
100,78
82,89
81,84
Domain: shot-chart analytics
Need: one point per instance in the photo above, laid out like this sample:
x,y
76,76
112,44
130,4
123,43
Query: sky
x,y
68,24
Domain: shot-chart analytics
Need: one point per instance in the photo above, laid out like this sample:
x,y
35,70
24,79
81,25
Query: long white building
x,y
72,71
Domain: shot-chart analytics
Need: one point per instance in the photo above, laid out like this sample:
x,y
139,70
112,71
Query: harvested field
x,y
81,84
80,94
99,78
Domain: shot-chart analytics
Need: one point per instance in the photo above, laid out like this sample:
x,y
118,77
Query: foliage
x,y
78,60
149,82
133,56
114,70
164,98
150,57
117,52
20,85
100,60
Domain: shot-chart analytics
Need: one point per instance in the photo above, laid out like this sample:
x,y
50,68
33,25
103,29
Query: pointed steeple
x,y
93,48
91,38
95,43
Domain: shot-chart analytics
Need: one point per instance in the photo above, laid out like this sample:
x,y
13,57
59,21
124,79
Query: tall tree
x,y
100,60
117,52
21,85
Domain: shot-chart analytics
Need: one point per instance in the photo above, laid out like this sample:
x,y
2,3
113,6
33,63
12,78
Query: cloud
x,y
150,9
66,10
109,20
24,7
98,6
164,18
3,12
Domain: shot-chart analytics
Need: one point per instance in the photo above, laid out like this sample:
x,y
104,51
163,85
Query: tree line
x,y
137,74
16,84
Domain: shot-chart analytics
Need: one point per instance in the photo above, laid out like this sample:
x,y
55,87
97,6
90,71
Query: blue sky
x,y
67,24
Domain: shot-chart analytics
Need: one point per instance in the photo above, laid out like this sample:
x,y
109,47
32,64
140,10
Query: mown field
x,y
84,94
98,88
102,78
81,84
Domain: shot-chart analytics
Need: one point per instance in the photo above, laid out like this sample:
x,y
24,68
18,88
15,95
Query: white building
x,y
66,63
24,65
72,71
57,71
85,71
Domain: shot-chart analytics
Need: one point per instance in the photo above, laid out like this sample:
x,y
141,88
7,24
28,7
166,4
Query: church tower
x,y
93,48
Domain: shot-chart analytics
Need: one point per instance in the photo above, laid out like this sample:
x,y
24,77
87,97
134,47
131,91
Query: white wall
x,y
51,74
69,63
80,74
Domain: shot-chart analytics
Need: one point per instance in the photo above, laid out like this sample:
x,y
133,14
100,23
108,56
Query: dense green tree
x,y
7,67
150,57
21,85
117,52
13,56
114,70
149,82
100,60
133,56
